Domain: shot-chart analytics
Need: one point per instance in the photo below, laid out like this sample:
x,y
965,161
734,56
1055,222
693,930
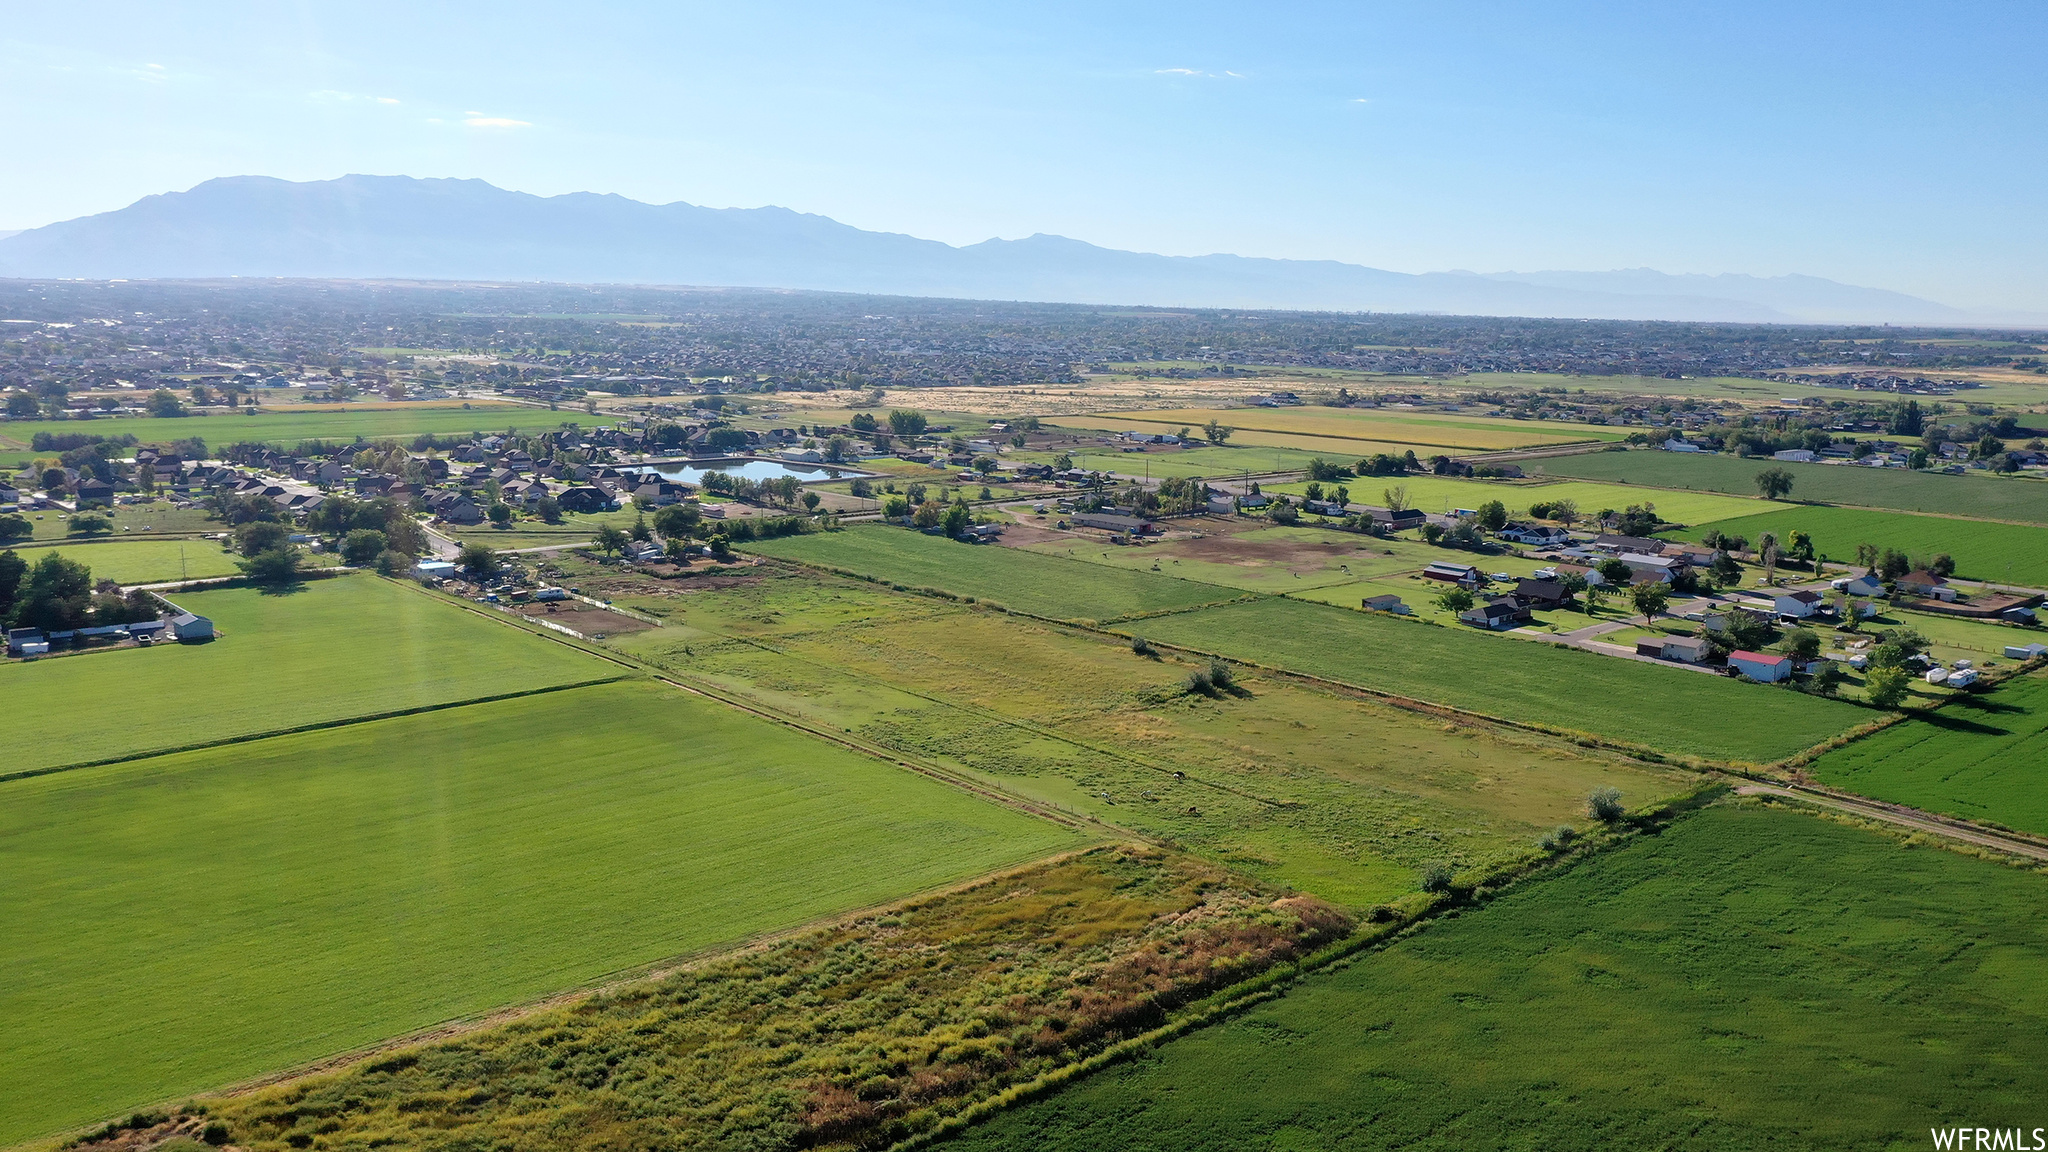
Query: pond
x,y
756,470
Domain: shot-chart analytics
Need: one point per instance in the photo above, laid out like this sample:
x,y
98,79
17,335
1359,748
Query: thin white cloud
x,y
1177,72
496,122
157,67
1226,74
472,113
1361,100
386,100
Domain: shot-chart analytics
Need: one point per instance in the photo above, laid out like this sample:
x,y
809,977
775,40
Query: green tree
x,y
549,509
1493,515
261,536
1886,687
1616,572
90,525
499,514
1565,512
1454,600
812,500
1215,432
1802,644
478,561
958,518
22,406
1396,498
640,532
12,569
273,566
928,514
1650,598
55,595
391,562
907,423
164,403
363,545
1062,463
1774,483
677,520
1727,571
609,539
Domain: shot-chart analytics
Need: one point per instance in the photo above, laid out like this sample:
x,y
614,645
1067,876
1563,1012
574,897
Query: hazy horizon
x,y
1582,138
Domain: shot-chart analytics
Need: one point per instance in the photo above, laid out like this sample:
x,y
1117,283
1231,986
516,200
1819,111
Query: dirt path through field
x,y
1905,817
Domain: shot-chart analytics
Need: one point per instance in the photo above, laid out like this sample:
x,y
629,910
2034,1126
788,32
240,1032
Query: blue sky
x,y
1900,146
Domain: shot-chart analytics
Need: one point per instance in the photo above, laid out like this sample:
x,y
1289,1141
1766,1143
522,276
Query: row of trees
x,y
57,594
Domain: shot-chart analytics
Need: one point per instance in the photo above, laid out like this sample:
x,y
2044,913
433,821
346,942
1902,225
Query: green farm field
x,y
1211,462
290,424
1343,797
1751,978
1980,757
1985,497
1377,425
1441,494
156,518
1275,559
185,921
335,649
2016,553
1042,585
1525,681
152,561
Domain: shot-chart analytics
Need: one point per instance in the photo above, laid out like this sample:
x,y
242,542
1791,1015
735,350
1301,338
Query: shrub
x,y
1604,804
1142,646
1436,877
1220,675
1558,838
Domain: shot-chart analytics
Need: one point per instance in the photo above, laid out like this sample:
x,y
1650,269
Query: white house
x,y
1661,567
1798,605
1924,583
1794,455
1864,585
1760,667
1677,445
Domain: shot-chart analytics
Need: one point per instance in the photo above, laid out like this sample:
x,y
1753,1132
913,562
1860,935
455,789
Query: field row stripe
x,y
316,726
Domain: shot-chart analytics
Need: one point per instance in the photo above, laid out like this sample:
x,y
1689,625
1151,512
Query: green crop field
x,y
289,425
1748,979
184,921
1980,757
1029,582
1439,494
1335,425
152,561
1988,497
1983,551
334,649
1214,463
1663,708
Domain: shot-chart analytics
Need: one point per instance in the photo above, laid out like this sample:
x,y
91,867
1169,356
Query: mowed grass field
x,y
1984,757
1982,551
1211,462
1442,494
180,922
334,649
152,561
1530,682
293,423
1988,497
1748,979
1027,581
1378,425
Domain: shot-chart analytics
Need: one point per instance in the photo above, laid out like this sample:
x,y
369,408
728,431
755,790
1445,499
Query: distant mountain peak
x,y
363,226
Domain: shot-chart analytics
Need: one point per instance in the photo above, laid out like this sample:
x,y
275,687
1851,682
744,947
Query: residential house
x,y
1865,585
1497,614
1645,568
586,498
1541,593
1760,667
1676,445
1534,535
1921,582
1682,649
1396,521
1797,605
94,492
1606,542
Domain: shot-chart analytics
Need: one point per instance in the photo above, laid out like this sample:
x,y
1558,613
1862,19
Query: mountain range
x,y
400,227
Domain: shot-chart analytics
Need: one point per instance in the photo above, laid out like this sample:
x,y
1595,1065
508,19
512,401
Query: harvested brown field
x,y
584,618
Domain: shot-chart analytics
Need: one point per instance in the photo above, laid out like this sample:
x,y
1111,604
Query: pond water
x,y
756,470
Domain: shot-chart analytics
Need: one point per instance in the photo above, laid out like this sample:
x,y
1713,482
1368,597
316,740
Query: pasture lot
x,y
1988,497
1983,551
288,425
1340,796
333,649
1750,978
184,921
156,518
768,1040
1211,462
1242,554
575,528
1027,581
1530,682
1442,494
1379,427
1980,757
